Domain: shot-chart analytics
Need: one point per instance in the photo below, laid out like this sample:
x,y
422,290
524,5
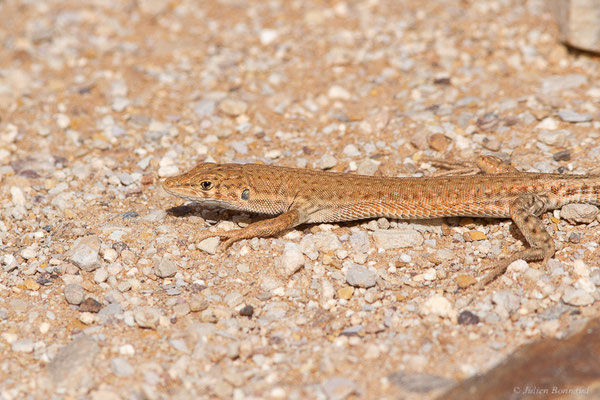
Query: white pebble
x,y
438,305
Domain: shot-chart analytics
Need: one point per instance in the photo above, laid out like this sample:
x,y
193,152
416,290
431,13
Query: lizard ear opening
x,y
246,194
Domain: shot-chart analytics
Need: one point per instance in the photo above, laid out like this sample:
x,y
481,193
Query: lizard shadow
x,y
213,215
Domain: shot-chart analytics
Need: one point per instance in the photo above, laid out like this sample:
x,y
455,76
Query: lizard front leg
x,y
524,212
264,228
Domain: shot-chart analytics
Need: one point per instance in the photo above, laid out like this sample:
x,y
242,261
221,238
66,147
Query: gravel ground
x,y
104,293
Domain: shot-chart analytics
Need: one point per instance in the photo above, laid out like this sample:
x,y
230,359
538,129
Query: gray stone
x,y
572,116
275,311
234,299
71,368
84,253
204,108
121,367
577,297
360,276
109,311
367,167
327,161
360,241
338,388
125,178
553,138
155,216
397,238
22,346
419,383
165,268
507,300
560,83
74,294
579,213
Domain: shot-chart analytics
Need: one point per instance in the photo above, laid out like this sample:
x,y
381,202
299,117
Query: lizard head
x,y
210,184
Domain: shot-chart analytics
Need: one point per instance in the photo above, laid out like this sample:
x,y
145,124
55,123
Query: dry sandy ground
x,y
104,293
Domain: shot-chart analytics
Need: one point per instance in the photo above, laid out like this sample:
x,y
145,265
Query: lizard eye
x,y
206,185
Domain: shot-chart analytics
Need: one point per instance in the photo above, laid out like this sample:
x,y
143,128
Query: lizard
x,y
489,187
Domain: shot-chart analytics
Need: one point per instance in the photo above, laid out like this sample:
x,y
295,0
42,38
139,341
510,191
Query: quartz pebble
x,y
577,297
209,245
22,346
291,260
327,161
84,253
100,275
397,239
438,305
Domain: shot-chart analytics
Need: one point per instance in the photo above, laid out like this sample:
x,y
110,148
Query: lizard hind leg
x,y
524,212
482,165
494,165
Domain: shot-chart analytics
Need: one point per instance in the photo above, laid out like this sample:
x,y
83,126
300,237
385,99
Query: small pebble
x,y
338,388
467,318
438,305
22,346
147,317
577,297
198,304
165,268
100,275
121,367
563,155
367,167
209,245
291,260
181,309
396,239
439,142
338,93
233,107
553,137
247,311
85,253
579,213
327,161
74,294
572,116
359,276
87,318
90,305
345,292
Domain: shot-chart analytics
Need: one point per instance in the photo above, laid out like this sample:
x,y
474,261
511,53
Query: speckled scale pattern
x,y
298,196
330,197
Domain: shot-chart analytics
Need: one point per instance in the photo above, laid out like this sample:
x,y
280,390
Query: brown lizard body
x,y
298,196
